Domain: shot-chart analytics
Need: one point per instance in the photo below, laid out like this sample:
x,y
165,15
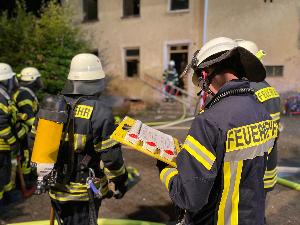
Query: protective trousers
x,y
74,212
5,173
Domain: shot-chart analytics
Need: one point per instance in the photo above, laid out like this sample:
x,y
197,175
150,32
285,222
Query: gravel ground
x,y
149,200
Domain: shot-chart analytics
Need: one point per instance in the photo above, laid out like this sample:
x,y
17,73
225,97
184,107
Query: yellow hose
x,y
289,183
100,222
166,122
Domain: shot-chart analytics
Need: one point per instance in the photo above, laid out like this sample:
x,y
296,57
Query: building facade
x,y
137,38
273,25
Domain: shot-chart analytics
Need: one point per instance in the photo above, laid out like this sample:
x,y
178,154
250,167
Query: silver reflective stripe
x,y
30,92
204,156
164,178
228,205
249,153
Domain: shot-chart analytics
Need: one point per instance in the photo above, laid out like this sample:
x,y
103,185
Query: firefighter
x,y
220,169
171,81
87,153
270,98
27,103
9,145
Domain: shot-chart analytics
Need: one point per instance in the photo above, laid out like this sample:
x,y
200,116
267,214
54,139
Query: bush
x,y
47,42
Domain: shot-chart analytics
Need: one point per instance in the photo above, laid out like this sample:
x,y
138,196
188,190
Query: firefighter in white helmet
x,y
219,174
81,181
9,144
171,80
270,98
27,104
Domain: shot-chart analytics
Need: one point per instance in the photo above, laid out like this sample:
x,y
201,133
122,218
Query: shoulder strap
x,y
30,92
5,94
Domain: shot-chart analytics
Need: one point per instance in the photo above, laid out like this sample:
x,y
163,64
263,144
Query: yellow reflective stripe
x,y
236,195
275,116
201,148
79,142
270,183
5,131
30,121
15,95
221,211
270,150
228,208
4,108
25,102
270,174
33,129
11,140
267,93
105,144
4,147
198,151
8,187
166,175
21,132
114,173
62,196
1,194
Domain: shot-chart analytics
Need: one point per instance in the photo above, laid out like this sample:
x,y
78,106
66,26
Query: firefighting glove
x,y
15,149
161,165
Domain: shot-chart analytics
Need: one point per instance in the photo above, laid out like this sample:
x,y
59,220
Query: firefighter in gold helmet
x,y
27,103
9,144
219,174
87,159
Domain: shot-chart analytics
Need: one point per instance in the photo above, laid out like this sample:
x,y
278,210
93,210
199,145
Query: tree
x,y
47,42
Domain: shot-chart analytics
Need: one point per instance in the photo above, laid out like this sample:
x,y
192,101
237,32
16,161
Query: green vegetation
x,y
47,42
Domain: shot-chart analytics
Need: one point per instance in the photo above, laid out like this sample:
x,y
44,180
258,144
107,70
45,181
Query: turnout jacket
x,y
8,117
92,148
220,169
270,99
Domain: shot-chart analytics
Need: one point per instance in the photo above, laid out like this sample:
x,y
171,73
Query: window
x,y
131,8
90,10
132,60
274,71
175,5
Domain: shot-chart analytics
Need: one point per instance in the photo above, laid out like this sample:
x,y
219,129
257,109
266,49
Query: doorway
x,y
179,54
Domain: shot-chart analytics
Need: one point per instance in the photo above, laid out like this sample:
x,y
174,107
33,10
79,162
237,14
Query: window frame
x,y
91,20
125,58
178,10
130,16
273,67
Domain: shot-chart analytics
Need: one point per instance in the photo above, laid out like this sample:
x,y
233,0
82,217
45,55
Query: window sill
x,y
131,17
178,11
90,21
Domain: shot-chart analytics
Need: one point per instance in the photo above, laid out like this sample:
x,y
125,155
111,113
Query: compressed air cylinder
x,y
51,120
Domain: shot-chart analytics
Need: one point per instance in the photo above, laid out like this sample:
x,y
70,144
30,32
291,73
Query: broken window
x,y
90,10
131,8
132,60
179,5
274,71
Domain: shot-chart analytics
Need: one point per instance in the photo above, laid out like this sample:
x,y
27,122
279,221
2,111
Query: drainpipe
x,y
205,21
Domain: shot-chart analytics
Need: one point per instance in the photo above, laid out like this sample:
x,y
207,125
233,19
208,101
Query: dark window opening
x,y
274,71
131,8
132,60
268,1
90,10
179,4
